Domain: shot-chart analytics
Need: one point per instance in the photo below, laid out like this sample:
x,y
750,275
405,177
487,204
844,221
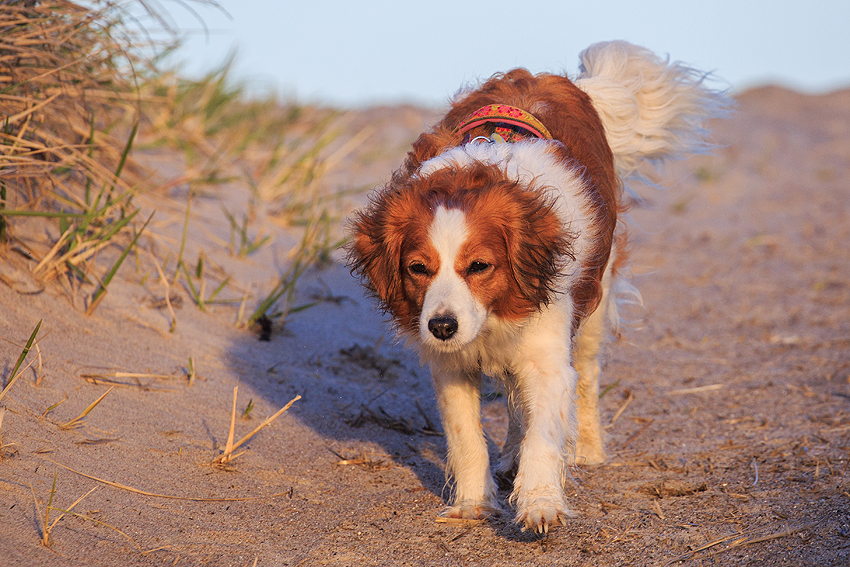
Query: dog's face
x,y
457,278
448,251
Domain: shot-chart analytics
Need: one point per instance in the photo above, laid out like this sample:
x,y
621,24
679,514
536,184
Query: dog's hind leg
x,y
458,396
590,448
589,441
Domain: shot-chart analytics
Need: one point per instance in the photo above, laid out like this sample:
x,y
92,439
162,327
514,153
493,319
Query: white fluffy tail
x,y
651,109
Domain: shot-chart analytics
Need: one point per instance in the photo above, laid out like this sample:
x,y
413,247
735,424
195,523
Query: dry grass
x,y
395,423
83,94
78,421
64,146
46,526
276,155
279,152
3,445
142,380
62,92
273,154
370,463
747,537
227,455
140,492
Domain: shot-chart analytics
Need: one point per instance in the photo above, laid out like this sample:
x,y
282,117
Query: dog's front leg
x,y
458,395
547,383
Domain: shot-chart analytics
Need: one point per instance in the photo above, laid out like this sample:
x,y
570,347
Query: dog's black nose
x,y
443,327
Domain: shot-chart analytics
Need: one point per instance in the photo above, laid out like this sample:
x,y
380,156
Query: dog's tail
x,y
651,109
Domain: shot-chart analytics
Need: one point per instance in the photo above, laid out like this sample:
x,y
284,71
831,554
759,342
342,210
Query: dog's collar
x,y
511,124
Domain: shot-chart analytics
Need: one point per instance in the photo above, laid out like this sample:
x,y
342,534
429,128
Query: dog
x,y
499,248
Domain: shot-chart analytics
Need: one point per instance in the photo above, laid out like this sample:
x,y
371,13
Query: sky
x,y
365,52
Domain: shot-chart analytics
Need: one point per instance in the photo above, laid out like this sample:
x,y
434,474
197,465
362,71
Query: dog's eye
x,y
417,268
477,266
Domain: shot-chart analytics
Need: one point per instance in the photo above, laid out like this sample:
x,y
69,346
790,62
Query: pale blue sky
x,y
354,53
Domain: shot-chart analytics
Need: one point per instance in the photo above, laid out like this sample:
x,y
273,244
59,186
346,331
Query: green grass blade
x,y
94,205
303,307
21,358
14,213
609,388
252,247
98,296
126,151
219,288
285,285
91,155
185,234
46,529
111,229
195,294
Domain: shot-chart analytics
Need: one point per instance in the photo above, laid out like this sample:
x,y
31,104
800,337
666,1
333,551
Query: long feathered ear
x,y
368,255
374,255
538,246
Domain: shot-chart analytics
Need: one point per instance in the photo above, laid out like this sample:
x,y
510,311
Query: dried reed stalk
x,y
230,446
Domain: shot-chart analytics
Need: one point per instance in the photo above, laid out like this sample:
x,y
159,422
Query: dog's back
x,y
626,102
557,102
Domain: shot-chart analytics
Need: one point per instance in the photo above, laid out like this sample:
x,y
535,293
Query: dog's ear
x,y
538,246
374,253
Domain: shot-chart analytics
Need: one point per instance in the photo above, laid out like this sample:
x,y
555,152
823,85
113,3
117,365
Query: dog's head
x,y
447,249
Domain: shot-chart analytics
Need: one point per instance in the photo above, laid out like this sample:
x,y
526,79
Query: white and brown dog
x,y
496,248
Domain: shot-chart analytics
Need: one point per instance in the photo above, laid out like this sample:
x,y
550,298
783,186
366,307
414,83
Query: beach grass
x,y
3,445
13,377
230,446
45,525
82,116
69,128
78,421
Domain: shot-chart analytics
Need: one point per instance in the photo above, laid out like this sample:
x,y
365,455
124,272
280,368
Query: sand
x,y
726,397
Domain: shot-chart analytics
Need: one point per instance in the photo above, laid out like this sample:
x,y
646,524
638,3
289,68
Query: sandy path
x,y
737,378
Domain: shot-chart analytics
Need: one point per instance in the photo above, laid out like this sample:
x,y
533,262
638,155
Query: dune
x,y
725,397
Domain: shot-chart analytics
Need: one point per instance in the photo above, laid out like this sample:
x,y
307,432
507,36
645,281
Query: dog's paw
x,y
542,514
589,455
473,510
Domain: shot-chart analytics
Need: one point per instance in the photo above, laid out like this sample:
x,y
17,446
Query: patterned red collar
x,y
510,124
